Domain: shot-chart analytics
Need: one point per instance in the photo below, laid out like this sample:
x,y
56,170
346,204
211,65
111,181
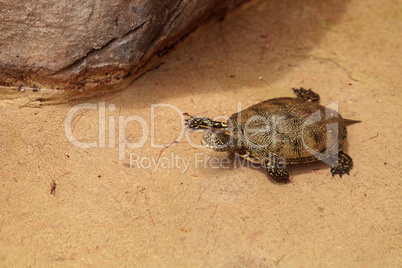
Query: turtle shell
x,y
292,129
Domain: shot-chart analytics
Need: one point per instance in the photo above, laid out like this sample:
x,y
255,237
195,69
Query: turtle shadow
x,y
274,36
316,168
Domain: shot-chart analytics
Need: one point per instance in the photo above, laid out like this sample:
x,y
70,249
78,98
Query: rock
x,y
79,44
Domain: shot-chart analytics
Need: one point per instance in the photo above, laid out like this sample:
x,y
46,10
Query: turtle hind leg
x,y
306,95
342,164
204,123
278,173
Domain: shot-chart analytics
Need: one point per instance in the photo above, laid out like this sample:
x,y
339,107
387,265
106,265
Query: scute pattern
x,y
284,126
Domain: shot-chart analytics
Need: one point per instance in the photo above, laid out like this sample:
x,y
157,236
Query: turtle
x,y
281,131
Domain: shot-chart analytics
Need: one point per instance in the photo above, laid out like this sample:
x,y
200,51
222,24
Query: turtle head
x,y
218,136
219,140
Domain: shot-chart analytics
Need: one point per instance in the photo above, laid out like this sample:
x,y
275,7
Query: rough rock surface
x,y
69,44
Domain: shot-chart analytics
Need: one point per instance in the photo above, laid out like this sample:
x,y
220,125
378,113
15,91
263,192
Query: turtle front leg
x,y
306,95
342,164
204,123
278,173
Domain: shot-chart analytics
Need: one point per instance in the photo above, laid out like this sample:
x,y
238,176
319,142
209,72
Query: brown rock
x,y
78,44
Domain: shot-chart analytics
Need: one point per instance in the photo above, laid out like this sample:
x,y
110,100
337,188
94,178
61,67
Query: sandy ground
x,y
166,202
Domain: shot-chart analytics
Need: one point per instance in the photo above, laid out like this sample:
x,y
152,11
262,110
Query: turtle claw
x,y
279,174
195,122
342,165
282,179
306,95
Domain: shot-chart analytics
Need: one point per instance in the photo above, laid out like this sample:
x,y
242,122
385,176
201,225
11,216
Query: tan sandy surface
x,y
209,212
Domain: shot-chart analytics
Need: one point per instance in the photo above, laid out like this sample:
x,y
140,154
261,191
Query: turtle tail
x,y
350,121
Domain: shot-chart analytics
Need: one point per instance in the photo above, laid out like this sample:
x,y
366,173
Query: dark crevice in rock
x,y
155,39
